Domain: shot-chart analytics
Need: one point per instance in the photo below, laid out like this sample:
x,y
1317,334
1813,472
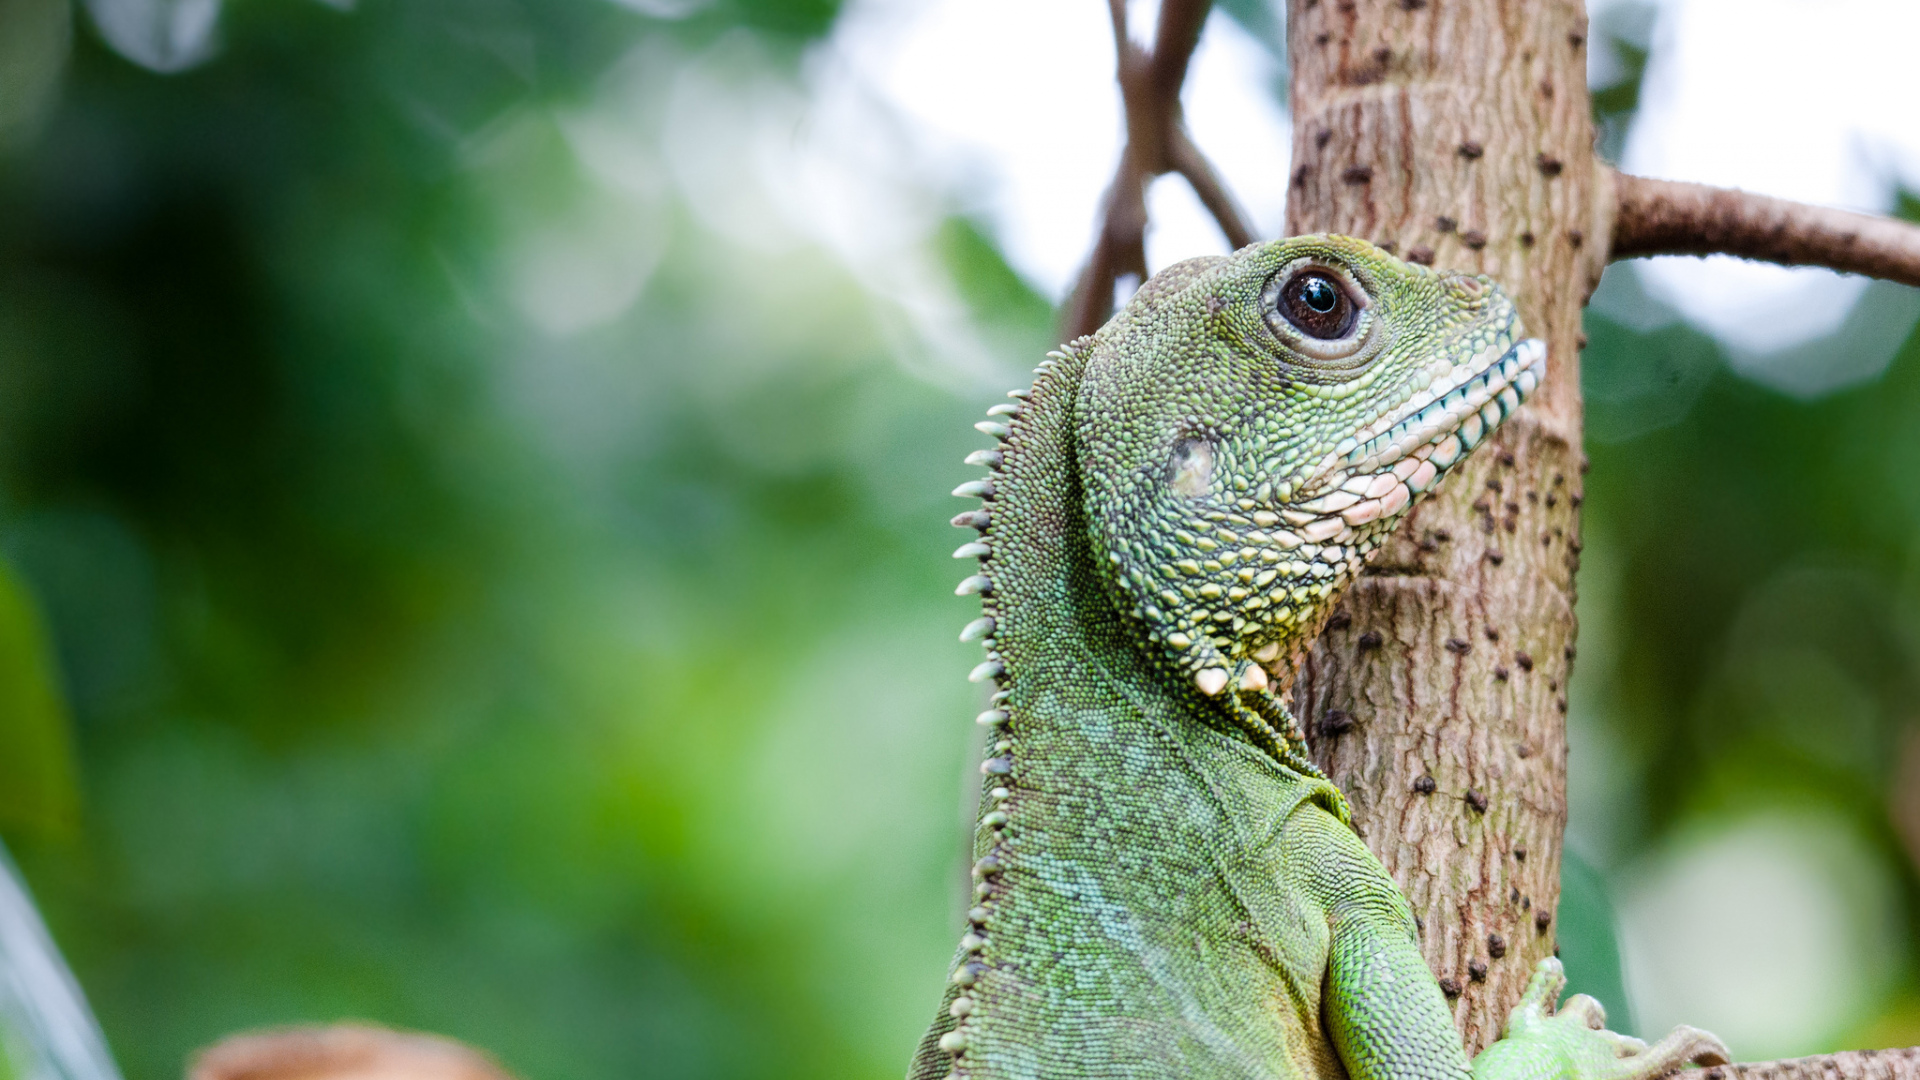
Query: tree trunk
x,y
1457,133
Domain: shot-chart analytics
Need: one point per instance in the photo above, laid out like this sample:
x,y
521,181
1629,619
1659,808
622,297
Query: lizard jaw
x,y
1444,406
1378,473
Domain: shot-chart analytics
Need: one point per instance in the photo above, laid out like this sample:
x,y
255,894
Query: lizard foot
x,y
1572,1042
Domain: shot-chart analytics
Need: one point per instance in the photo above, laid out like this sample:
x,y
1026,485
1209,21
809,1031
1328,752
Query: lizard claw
x,y
1586,1009
1536,1004
1572,1043
1626,1046
1683,1045
1254,691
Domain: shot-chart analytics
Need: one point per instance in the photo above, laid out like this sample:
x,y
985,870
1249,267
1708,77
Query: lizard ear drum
x,y
1190,472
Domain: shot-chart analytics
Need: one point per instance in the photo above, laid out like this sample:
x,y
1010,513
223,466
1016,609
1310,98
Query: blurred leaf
x,y
1587,934
37,786
792,18
989,286
1621,98
34,38
1639,383
1897,1026
1906,206
1623,32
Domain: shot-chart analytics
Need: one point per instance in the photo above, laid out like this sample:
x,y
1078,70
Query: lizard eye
x,y
1322,313
1316,305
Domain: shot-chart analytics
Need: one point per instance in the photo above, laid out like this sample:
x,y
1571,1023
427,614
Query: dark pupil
x,y
1318,295
1317,306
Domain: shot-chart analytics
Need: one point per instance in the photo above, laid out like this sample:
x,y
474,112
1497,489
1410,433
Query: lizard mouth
x,y
1377,472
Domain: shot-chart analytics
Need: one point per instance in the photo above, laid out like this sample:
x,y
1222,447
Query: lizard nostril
x,y
1468,286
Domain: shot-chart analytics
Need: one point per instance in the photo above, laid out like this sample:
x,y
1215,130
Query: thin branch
x,y
1092,298
1189,162
1120,249
1175,38
1845,1065
1157,142
1666,217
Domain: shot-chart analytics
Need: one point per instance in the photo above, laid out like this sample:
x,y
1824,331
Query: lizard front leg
x,y
1387,1016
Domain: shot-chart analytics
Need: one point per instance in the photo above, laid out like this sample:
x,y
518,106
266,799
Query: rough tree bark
x,y
1458,133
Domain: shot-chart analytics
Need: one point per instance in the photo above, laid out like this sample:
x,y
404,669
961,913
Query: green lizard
x,y
1165,886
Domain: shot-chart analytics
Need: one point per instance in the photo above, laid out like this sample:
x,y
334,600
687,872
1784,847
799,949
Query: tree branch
x,y
1903,1064
1174,41
1157,142
1667,217
1189,162
1119,249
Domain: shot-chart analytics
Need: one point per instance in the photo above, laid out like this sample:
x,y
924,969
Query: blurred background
x,y
473,546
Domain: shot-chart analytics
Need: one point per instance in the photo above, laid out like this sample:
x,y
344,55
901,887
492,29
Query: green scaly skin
x,y
1165,886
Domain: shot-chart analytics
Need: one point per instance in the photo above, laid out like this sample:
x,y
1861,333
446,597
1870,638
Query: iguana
x,y
1164,884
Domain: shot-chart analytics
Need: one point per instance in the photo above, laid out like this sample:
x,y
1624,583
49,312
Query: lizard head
x,y
1252,427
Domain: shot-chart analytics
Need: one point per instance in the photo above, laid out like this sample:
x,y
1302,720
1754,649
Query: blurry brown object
x,y
1904,806
341,1052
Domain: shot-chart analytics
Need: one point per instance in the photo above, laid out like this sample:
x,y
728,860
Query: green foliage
x,y
1751,539
1584,927
991,289
592,697
36,756
1622,98
1016,320
33,49
796,18
1760,647
1622,33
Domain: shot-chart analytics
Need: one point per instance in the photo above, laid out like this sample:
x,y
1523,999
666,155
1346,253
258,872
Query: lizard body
x,y
1164,885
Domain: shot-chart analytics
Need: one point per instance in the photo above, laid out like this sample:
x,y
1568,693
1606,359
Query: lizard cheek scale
x,y
1163,884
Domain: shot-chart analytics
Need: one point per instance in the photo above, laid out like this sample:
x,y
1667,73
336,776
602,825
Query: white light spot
x,y
1840,132
1774,933
161,35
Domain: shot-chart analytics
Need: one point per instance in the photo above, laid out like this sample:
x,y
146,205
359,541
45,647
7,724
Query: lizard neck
x,y
1116,803
1053,624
